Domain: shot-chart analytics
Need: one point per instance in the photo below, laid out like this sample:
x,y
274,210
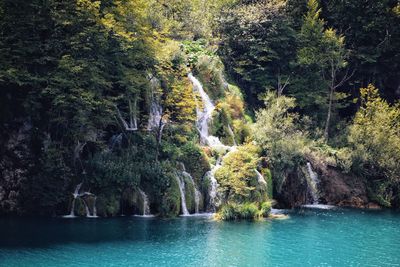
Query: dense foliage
x,y
80,79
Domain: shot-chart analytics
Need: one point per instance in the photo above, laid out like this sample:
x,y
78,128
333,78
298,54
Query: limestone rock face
x,y
294,191
335,188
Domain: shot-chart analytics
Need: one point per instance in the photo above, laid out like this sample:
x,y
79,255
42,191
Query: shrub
x,y
375,141
237,174
265,208
233,211
279,135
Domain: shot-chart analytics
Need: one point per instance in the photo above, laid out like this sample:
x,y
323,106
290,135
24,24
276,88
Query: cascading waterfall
x,y
86,208
204,116
133,125
146,207
213,188
260,178
181,184
313,183
197,193
77,195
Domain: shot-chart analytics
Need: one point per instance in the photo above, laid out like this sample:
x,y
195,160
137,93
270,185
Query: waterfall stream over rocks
x,y
181,184
146,206
312,182
204,117
83,197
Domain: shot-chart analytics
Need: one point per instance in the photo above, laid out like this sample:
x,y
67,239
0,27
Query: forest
x,y
169,107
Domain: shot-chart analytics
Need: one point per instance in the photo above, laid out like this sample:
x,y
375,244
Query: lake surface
x,y
307,238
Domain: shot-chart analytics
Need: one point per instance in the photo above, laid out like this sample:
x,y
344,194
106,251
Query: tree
x,y
372,33
258,46
375,138
323,49
237,174
277,131
375,134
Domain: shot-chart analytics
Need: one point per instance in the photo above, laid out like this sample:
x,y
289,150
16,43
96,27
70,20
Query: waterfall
x,y
132,126
181,184
204,114
260,178
313,183
94,207
160,132
197,193
146,207
155,115
81,196
86,208
213,187
75,195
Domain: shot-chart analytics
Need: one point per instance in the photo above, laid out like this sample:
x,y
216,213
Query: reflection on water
x,y
308,238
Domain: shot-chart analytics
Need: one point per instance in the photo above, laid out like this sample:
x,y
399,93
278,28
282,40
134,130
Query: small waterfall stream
x,y
204,116
133,125
146,206
76,195
181,184
313,183
197,193
213,188
260,178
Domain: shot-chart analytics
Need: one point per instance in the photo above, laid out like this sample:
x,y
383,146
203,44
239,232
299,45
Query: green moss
x,y
189,194
108,205
265,208
268,178
195,161
171,201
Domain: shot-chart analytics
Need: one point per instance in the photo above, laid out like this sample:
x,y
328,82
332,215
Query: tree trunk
x,y
328,117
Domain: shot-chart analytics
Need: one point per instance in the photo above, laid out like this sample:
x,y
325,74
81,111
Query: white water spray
x,y
133,125
313,183
146,207
181,184
197,193
260,178
76,195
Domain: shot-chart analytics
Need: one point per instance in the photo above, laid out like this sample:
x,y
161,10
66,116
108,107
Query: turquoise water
x,y
307,238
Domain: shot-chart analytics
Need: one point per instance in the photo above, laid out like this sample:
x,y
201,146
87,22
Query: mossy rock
x,y
132,202
189,194
195,160
171,201
108,205
268,178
